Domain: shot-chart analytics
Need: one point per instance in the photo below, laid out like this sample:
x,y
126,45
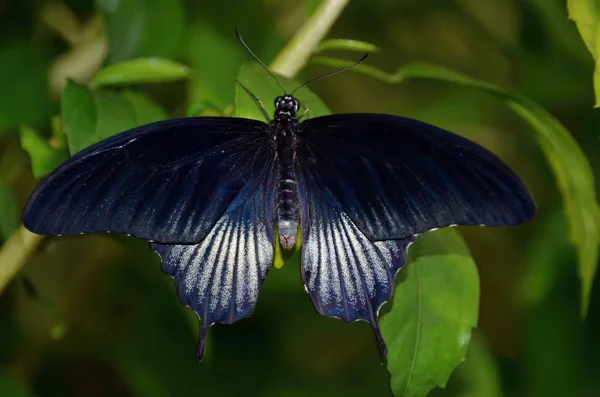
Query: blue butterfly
x,y
208,191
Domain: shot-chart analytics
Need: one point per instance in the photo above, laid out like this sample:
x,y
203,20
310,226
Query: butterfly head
x,y
286,107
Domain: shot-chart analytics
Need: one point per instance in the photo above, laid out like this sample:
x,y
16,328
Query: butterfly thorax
x,y
283,128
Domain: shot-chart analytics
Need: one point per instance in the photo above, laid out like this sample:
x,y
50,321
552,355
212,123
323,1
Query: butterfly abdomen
x,y
287,191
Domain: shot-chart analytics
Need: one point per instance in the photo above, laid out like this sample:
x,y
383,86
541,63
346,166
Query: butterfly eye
x,y
278,101
296,105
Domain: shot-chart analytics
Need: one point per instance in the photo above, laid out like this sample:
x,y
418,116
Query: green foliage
x,y
311,6
143,28
91,116
435,304
141,71
586,15
44,158
22,100
213,74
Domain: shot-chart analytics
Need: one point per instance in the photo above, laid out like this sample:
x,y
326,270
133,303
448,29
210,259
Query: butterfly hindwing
x,y
220,277
346,275
397,177
167,182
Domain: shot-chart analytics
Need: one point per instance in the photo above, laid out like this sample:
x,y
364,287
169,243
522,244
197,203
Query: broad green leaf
x,y
141,71
568,162
214,74
586,14
9,212
346,45
143,28
24,97
433,311
260,83
44,158
90,117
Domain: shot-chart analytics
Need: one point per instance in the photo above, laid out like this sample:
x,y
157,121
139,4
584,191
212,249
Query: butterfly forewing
x,y
220,278
395,177
168,182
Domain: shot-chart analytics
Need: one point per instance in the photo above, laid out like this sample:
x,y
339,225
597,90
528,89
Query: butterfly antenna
x,y
364,58
239,36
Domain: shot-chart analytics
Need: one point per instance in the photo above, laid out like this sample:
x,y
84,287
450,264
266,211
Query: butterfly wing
x,y
220,277
168,181
368,183
346,275
396,177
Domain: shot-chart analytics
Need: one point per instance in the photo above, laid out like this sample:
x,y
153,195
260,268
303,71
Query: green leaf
x,y
547,256
346,45
197,108
434,308
586,14
311,6
479,374
143,28
44,158
259,82
568,162
90,117
9,212
141,71
24,95
214,75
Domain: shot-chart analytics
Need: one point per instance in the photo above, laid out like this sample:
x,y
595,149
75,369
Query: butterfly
x,y
209,191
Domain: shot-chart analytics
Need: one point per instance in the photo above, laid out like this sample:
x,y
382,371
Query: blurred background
x,y
95,316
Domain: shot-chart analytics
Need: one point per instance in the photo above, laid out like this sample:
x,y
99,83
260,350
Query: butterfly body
x,y
283,127
209,191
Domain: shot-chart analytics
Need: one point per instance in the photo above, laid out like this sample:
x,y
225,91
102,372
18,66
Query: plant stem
x,y
298,50
16,252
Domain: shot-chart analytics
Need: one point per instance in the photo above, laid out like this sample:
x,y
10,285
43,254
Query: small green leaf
x,y
346,45
90,117
143,28
44,158
9,212
570,166
586,14
141,71
434,309
259,82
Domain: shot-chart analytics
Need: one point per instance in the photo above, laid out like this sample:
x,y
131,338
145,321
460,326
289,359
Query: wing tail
x,y
220,277
346,275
